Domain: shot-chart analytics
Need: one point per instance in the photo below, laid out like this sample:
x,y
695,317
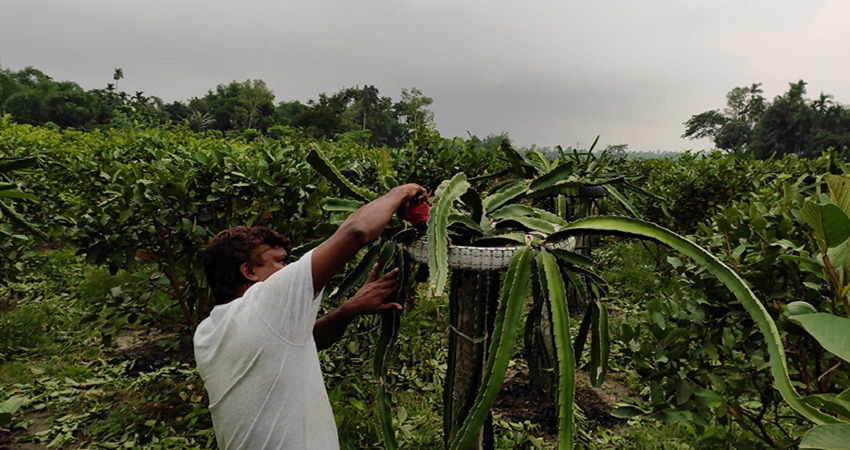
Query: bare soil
x,y
519,401
38,422
146,350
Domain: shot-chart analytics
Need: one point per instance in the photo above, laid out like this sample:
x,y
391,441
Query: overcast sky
x,y
548,72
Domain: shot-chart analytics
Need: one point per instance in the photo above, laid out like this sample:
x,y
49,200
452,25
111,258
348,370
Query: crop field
x,y
695,301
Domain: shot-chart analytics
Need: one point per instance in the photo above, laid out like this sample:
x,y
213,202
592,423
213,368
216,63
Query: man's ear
x,y
248,273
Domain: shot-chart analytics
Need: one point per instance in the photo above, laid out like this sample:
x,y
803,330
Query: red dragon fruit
x,y
418,210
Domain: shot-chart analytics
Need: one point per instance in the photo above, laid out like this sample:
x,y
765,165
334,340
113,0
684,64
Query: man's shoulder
x,y
217,318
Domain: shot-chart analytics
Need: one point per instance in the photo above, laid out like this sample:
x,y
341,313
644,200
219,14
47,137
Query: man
x,y
257,352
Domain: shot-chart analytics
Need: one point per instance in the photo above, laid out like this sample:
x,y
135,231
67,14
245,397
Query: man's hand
x,y
370,298
359,229
410,192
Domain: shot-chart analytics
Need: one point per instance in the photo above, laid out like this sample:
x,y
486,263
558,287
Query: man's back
x,y
259,363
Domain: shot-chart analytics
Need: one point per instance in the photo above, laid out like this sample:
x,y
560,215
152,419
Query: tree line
x,y
357,114
790,124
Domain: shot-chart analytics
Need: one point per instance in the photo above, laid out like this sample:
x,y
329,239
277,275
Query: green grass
x,y
644,435
649,434
25,328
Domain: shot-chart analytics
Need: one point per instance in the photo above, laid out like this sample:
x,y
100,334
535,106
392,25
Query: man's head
x,y
238,257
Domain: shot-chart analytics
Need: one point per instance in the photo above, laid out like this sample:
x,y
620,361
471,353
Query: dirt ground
x,y
145,349
519,401
141,347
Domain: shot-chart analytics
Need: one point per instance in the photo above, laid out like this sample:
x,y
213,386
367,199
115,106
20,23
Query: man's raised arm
x,y
359,229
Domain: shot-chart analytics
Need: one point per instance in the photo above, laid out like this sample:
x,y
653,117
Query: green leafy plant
x,y
10,190
151,199
14,246
831,225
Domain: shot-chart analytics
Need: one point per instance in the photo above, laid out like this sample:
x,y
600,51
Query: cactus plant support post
x,y
473,302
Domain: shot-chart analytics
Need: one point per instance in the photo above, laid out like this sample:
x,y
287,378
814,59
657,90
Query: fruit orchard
x,y
724,313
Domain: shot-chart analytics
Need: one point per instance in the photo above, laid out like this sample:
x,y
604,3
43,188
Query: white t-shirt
x,y
259,363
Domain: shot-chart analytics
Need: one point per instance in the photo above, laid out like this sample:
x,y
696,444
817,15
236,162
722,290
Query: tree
x,y
177,111
68,105
785,126
377,115
790,124
255,98
730,130
118,75
325,117
413,107
26,106
285,113
617,151
237,106
8,86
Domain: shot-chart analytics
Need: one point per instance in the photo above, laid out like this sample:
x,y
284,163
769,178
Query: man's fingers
x,y
387,306
389,275
372,273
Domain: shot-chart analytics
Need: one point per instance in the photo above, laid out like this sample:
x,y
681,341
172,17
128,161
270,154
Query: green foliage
x,y
390,324
142,203
696,351
15,247
499,217
356,114
827,437
694,187
790,124
830,331
319,161
8,408
732,281
555,291
599,343
24,328
830,223
157,197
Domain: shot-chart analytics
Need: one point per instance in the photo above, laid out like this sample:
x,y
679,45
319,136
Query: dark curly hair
x,y
228,250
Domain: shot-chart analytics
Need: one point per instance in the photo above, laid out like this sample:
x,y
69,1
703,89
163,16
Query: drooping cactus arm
x,y
636,228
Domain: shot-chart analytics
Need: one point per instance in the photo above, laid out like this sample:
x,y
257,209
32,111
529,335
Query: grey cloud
x,y
548,72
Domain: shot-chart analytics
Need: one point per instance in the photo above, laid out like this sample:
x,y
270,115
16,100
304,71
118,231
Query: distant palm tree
x,y
198,121
119,74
